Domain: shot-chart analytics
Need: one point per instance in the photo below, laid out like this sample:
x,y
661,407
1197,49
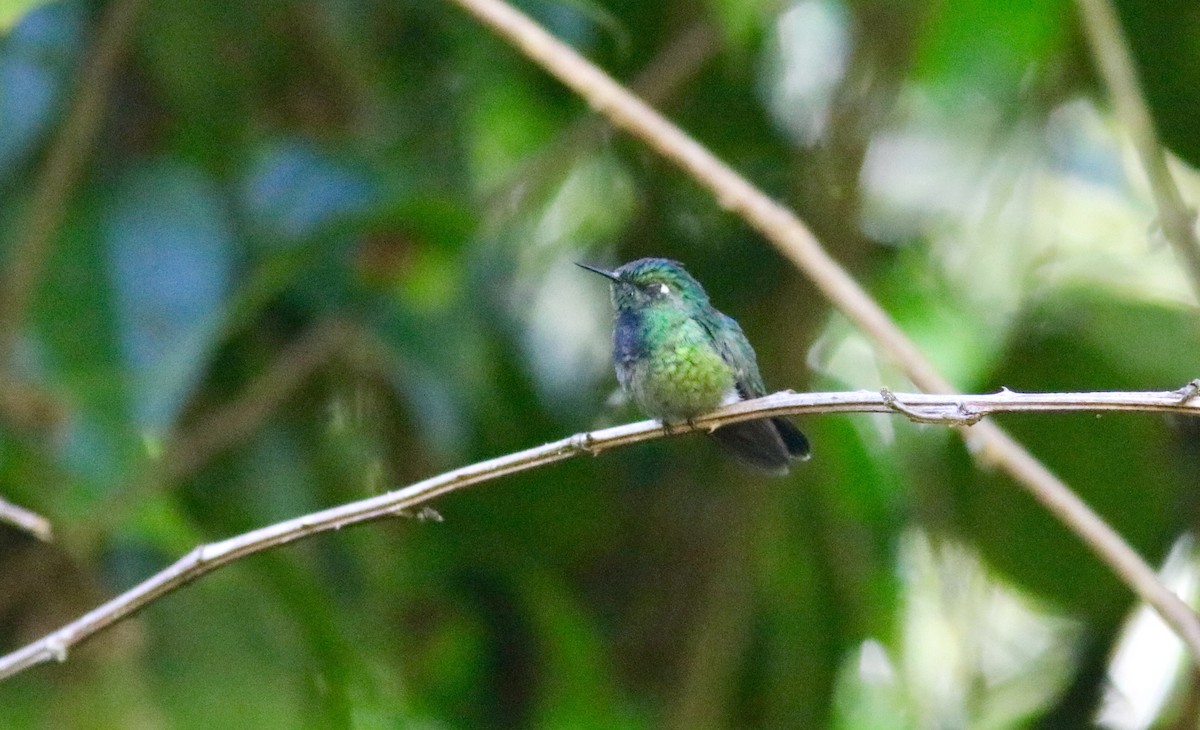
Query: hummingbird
x,y
677,357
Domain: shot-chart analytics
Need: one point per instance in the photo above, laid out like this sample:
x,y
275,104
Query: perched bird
x,y
678,357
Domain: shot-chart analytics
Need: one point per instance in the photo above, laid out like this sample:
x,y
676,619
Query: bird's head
x,y
652,283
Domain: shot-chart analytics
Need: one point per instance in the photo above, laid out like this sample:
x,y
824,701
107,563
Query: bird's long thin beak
x,y
597,270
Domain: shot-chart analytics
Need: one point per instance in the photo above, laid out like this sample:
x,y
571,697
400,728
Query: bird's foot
x,y
671,428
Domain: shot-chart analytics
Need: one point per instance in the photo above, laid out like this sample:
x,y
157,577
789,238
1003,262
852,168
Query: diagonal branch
x,y
237,421
789,234
947,409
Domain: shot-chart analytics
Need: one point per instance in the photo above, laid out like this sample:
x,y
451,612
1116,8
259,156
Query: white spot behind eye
x,y
664,289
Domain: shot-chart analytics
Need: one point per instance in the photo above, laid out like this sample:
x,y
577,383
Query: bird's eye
x,y
664,289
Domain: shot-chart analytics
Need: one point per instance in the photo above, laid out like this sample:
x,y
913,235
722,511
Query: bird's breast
x,y
672,368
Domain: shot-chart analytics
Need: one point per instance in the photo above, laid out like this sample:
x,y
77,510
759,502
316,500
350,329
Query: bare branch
x,y
789,234
207,558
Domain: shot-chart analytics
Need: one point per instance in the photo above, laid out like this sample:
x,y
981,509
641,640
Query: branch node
x,y
56,647
891,401
962,416
425,514
967,415
583,442
1189,391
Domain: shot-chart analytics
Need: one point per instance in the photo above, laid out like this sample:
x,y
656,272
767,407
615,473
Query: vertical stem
x,y
1110,49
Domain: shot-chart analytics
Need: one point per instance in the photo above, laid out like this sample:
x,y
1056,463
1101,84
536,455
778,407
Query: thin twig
x,y
207,558
62,169
789,234
1110,48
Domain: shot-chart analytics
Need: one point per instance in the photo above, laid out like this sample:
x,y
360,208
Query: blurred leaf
x,y
77,349
990,47
742,21
578,690
170,261
208,64
36,59
864,494
507,125
295,191
804,631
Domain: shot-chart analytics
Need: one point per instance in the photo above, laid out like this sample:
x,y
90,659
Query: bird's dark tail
x,y
769,444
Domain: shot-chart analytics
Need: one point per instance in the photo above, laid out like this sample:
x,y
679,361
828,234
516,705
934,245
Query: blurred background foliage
x,y
319,249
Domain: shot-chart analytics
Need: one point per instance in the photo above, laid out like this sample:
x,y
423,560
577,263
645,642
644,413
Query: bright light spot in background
x,y
569,334
1009,210
566,311
813,45
1004,214
975,652
844,356
972,651
924,172
873,664
1148,659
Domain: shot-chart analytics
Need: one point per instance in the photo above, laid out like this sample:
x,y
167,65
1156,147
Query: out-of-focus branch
x,y
193,447
945,409
682,58
26,408
26,520
63,166
236,421
1110,49
789,234
23,407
